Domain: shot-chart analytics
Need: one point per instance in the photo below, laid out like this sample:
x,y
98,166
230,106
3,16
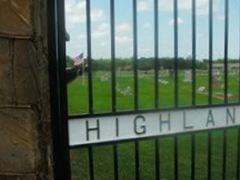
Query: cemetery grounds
x,y
103,155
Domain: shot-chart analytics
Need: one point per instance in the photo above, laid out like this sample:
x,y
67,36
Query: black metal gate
x,y
59,100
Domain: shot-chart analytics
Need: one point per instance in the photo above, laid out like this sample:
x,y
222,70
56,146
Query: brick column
x,y
25,135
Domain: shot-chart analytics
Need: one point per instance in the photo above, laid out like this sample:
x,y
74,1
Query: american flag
x,y
79,60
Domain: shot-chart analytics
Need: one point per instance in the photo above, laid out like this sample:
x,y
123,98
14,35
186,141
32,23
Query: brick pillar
x,y
25,141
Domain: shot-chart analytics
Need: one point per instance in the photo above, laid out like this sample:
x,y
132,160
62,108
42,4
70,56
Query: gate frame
x,y
58,89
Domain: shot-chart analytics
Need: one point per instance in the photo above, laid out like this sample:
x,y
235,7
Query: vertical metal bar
x,y
209,149
115,159
225,86
90,159
156,46
89,52
113,65
135,54
238,143
209,156
90,91
239,57
112,20
137,167
156,37
135,69
193,84
239,54
193,52
176,53
58,91
157,164
226,54
210,51
175,8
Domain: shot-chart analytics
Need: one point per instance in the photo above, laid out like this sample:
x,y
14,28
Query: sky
x,y
100,32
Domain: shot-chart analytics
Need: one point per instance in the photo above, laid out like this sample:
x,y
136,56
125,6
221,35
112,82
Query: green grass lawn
x,y
103,155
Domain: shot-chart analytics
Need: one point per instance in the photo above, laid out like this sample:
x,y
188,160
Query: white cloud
x,y
221,18
103,44
123,28
200,35
122,33
101,31
145,50
167,5
202,6
123,39
76,13
144,5
179,21
81,37
97,15
146,25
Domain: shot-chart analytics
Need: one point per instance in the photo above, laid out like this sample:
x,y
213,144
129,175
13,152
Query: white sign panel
x,y
122,127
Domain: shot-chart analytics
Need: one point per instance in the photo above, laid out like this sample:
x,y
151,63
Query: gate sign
x,y
132,126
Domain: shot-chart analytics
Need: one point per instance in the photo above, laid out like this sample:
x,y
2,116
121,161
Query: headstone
x,y
171,73
124,91
127,91
164,73
216,78
187,76
162,81
118,88
201,89
105,77
216,73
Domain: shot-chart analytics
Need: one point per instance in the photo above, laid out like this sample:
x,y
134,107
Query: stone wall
x,y
25,142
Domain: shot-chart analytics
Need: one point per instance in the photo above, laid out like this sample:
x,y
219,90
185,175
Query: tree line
x,y
145,64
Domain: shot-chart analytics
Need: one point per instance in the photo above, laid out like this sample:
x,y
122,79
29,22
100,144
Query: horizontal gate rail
x,y
150,110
